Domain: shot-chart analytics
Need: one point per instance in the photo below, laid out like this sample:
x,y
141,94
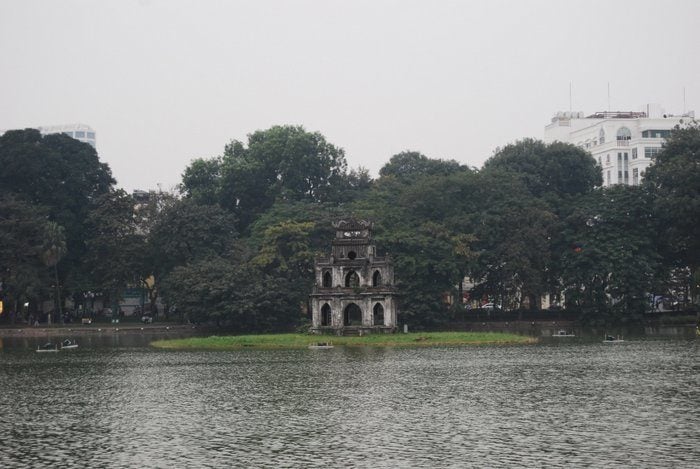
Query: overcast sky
x,y
166,81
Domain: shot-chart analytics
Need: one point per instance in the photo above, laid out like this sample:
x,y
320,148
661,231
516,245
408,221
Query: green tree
x,y
52,251
201,181
60,174
408,165
115,246
422,223
185,232
611,264
514,233
23,240
674,179
280,163
555,169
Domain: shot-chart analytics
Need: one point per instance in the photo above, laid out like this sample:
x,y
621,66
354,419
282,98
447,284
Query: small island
x,y
302,341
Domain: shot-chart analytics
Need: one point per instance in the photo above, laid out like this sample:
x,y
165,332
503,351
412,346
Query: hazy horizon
x,y
164,82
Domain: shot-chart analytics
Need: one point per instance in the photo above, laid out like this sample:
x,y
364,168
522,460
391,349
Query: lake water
x,y
560,404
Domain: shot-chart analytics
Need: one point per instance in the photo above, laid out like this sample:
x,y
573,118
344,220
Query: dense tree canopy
x,y
281,163
675,181
238,248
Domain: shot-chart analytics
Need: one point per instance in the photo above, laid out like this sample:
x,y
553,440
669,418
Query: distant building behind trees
x,y
623,143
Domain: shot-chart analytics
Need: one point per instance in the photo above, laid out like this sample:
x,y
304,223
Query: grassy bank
x,y
296,341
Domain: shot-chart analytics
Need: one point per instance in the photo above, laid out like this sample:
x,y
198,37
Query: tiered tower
x,y
354,290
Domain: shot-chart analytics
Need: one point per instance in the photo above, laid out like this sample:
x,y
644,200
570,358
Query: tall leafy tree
x,y
674,179
514,232
23,247
280,163
611,263
556,169
52,251
61,174
408,165
114,246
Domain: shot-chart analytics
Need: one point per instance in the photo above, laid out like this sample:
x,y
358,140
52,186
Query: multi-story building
x,y
81,132
622,142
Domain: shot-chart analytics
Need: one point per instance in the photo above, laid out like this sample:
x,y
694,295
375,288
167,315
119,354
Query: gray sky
x,y
166,81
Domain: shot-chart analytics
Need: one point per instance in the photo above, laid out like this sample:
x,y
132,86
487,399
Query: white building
x,y
81,132
622,142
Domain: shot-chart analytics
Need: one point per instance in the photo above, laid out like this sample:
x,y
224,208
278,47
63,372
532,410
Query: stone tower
x,y
354,290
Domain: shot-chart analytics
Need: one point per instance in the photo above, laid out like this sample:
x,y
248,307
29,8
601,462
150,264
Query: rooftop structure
x,y
623,143
81,132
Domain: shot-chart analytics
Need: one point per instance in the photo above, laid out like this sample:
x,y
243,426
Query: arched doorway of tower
x,y
378,315
353,315
326,315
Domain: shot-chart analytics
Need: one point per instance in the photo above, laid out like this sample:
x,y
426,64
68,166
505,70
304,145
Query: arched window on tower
x,y
327,280
352,280
377,279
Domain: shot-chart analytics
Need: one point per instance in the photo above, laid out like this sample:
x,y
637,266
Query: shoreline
x,y
304,341
91,329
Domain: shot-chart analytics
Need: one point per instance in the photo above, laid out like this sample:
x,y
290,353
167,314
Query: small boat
x,y
321,345
69,344
609,339
563,333
47,347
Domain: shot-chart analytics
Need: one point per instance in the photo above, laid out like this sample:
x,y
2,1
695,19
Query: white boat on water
x,y
69,344
609,339
563,333
321,345
47,347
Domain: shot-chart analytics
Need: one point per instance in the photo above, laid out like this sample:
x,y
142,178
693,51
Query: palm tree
x,y
52,251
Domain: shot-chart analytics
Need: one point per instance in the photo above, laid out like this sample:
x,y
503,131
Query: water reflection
x,y
558,405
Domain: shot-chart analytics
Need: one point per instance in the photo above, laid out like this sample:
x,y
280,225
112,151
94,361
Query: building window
x,y
600,162
79,134
70,134
635,176
91,135
327,280
656,133
651,152
608,178
607,158
623,137
601,136
634,153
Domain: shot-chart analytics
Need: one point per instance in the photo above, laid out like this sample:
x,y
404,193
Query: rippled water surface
x,y
559,405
